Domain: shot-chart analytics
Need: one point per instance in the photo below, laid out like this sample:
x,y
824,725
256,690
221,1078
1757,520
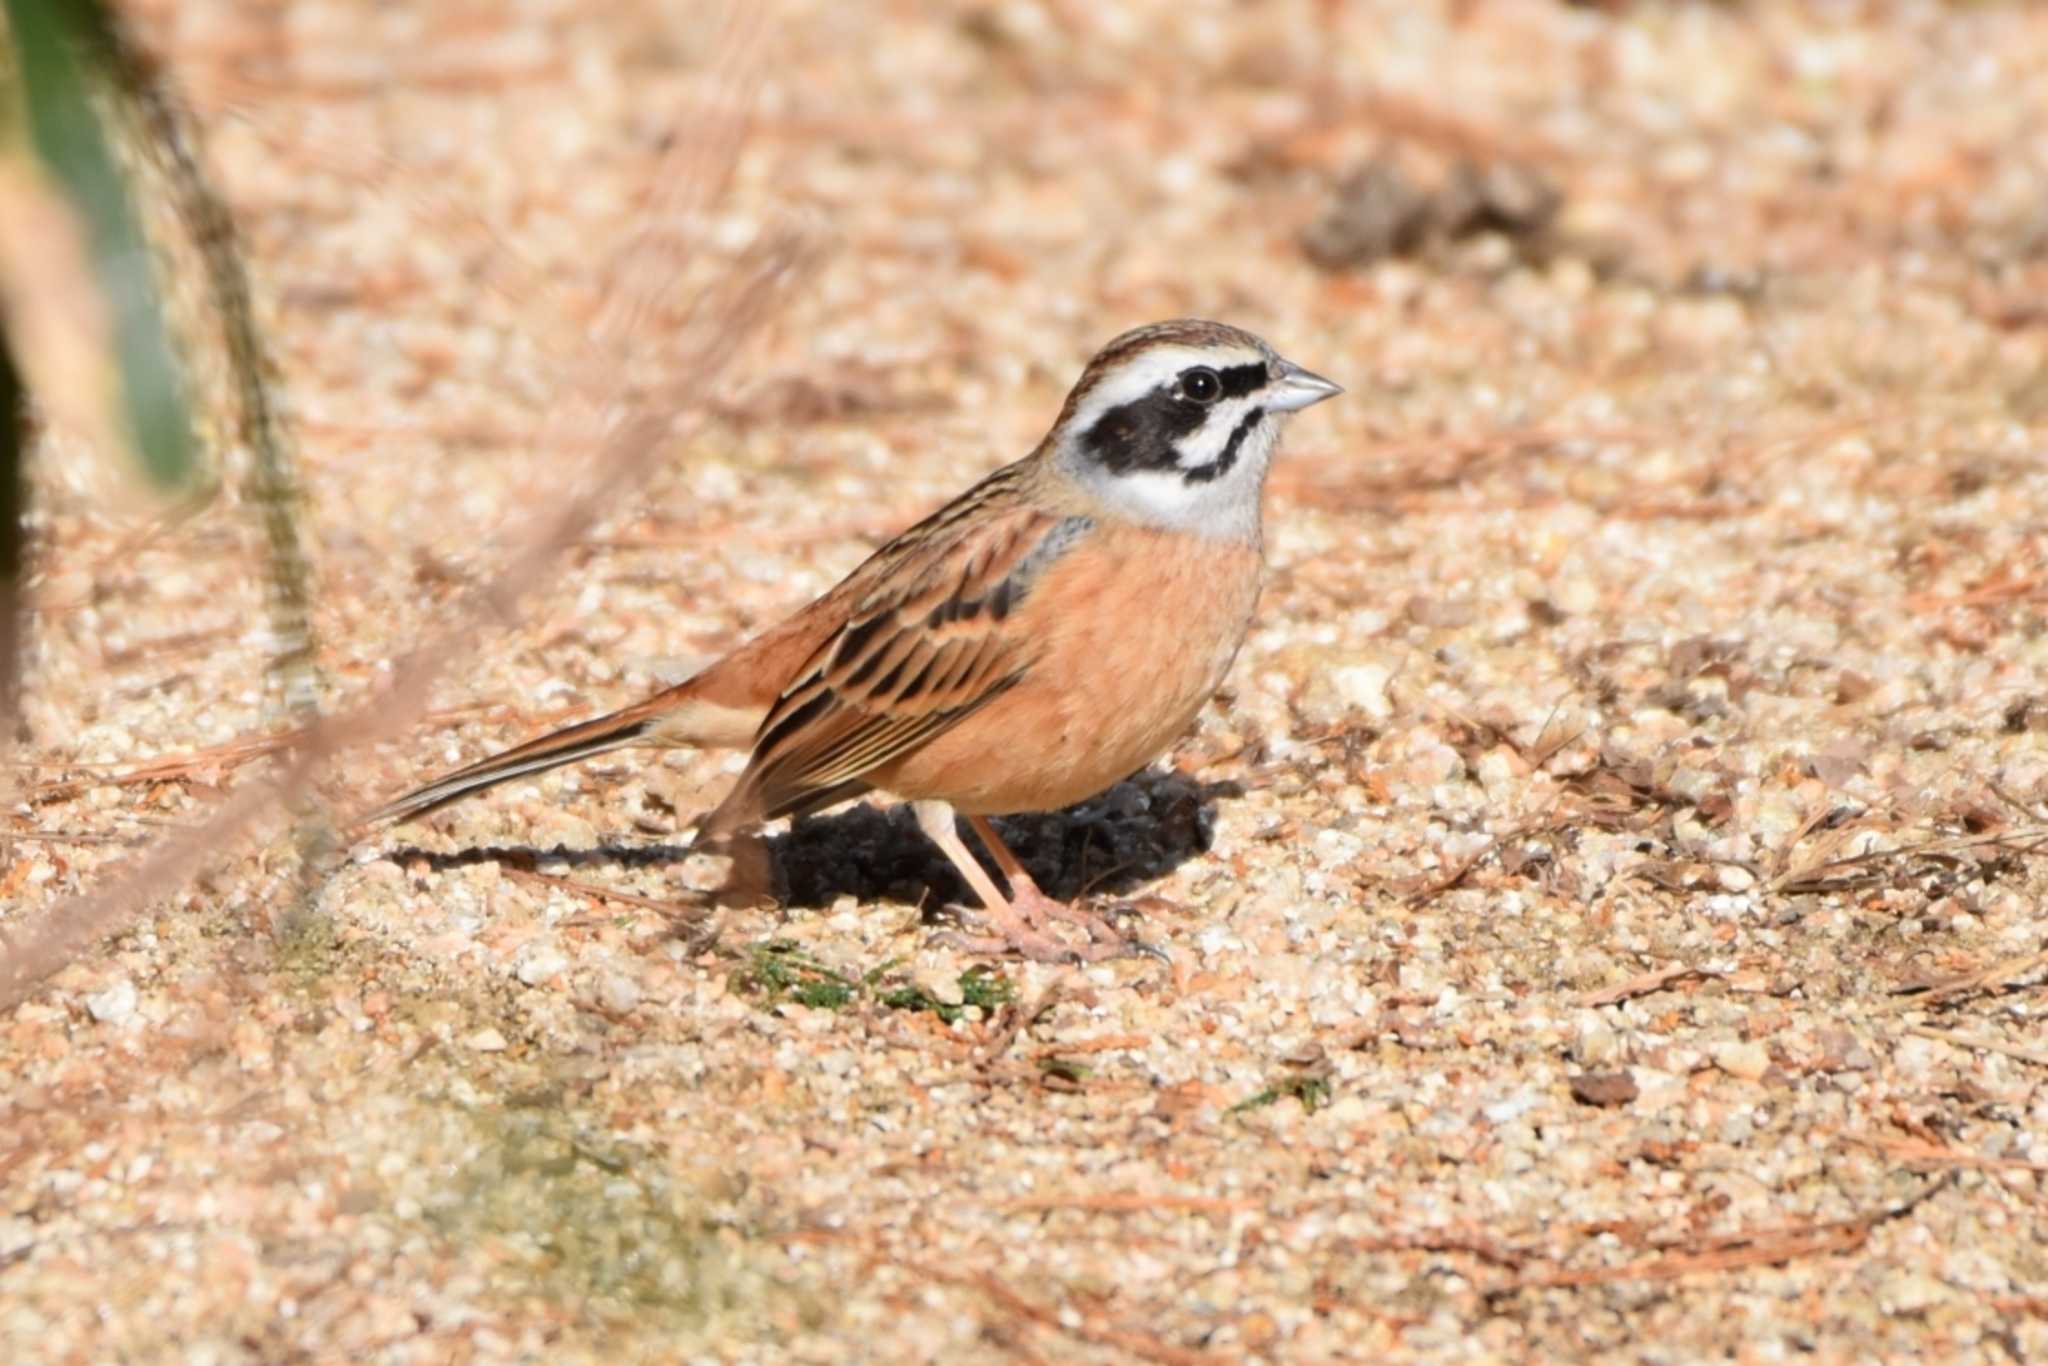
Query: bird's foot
x,y
1039,908
1032,945
1025,927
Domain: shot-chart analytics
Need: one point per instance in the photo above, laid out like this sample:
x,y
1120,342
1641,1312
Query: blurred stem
x,y
13,537
273,482
50,37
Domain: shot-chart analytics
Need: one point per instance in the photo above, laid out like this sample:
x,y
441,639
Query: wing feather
x,y
929,641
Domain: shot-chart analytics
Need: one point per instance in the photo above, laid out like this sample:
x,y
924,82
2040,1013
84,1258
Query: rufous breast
x,y
1132,633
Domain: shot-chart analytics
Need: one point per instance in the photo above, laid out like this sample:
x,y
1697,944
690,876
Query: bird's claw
x,y
1025,933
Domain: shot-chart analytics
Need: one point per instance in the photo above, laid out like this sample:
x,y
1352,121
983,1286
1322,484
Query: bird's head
x,y
1173,425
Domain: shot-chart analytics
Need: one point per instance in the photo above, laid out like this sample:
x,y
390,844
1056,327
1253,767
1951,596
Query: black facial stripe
x,y
1142,434
1239,380
1220,466
1145,433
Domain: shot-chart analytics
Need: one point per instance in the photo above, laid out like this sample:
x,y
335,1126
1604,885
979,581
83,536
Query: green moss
x,y
1313,1092
779,971
979,986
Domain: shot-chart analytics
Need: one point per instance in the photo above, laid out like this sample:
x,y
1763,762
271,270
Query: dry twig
x,y
1919,1151
1131,1202
672,911
1990,978
1645,984
2033,1055
1087,1326
1734,1251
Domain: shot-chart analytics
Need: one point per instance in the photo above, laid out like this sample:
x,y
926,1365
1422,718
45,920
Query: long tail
x,y
619,730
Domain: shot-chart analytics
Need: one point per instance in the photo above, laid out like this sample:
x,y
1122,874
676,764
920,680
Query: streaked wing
x,y
930,640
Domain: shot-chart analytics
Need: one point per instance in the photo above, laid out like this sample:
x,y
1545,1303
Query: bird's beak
x,y
1298,388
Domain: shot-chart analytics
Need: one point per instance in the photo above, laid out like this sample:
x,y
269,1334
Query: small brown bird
x,y
1042,636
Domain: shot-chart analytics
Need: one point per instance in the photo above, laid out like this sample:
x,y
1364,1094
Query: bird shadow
x,y
1110,845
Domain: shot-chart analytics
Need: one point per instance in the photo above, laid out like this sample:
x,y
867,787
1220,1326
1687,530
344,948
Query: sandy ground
x,y
1604,906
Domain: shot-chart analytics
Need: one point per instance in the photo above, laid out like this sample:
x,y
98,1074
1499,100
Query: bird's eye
x,y
1201,384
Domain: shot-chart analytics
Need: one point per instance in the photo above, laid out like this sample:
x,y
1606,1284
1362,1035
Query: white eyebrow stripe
x,y
1152,369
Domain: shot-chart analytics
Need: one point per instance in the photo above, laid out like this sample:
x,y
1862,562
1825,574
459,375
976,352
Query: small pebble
x,y
1748,1061
1604,1088
113,1003
942,986
617,992
539,965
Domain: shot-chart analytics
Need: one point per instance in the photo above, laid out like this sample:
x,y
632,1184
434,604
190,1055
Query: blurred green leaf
x,y
53,41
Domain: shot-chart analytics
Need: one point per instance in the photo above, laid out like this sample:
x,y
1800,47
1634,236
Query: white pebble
x,y
1364,686
1745,1060
113,1003
618,992
941,986
540,964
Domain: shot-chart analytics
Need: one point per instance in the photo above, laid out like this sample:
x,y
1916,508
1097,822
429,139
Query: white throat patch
x,y
1224,508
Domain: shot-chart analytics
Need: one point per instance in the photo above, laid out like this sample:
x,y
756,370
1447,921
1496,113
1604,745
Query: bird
x,y
1036,640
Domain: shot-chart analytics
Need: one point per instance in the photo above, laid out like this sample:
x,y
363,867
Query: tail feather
x,y
620,730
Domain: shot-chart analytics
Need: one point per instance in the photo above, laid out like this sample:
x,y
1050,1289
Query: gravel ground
x,y
1604,906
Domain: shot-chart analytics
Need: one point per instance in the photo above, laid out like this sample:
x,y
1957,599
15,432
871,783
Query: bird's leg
x,y
1017,931
1036,907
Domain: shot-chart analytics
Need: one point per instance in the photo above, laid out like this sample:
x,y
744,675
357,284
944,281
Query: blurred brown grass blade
x,y
503,269
43,944
700,342
692,177
632,444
